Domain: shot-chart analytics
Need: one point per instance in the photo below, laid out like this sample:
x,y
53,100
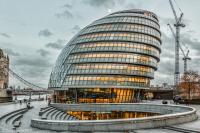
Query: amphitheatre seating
x,y
51,113
15,114
17,124
44,117
17,118
61,116
13,119
44,110
56,115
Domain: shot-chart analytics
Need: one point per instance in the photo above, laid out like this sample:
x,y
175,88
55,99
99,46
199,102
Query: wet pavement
x,y
33,113
26,119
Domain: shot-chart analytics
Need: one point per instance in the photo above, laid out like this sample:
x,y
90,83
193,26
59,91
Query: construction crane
x,y
185,56
178,25
185,59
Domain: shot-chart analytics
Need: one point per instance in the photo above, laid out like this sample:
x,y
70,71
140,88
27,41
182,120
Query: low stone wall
x,y
10,113
5,96
178,115
134,107
5,99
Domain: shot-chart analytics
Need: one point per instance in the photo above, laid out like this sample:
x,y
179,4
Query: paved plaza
x,y
33,113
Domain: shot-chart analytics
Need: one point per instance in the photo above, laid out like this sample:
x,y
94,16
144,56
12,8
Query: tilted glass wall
x,y
113,56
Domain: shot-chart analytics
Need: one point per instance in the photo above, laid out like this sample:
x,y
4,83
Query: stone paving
x,y
8,107
195,124
33,113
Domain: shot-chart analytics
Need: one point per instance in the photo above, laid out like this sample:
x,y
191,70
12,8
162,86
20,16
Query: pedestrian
x,y
49,101
28,105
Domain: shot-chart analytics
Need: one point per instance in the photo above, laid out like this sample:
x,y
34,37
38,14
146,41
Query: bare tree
x,y
189,83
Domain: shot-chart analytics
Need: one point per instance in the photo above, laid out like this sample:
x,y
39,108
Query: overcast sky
x,y
33,32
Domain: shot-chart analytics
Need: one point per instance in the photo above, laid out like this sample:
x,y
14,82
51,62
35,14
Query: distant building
x,y
164,91
5,95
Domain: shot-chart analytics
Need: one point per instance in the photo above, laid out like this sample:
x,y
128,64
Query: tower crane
x,y
178,25
185,59
185,56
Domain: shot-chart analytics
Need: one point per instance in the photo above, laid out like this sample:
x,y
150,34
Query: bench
x,y
41,109
41,113
44,117
44,110
17,123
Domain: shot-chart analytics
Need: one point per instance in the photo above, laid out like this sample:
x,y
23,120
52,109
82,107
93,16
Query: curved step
x,y
11,120
14,114
56,115
61,116
44,108
17,118
47,108
16,124
66,116
75,118
46,112
49,112
8,114
71,118
52,114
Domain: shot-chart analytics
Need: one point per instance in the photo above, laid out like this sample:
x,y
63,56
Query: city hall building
x,y
112,60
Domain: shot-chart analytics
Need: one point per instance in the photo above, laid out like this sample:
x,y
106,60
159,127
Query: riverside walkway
x,y
37,105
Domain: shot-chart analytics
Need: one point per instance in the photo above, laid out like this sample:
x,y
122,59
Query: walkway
x,y
33,113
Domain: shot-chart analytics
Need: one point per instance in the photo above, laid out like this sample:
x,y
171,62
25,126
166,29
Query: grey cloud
x,y
10,52
168,44
167,41
190,42
130,6
101,3
59,44
167,66
8,44
66,14
43,52
45,33
5,35
33,68
76,29
167,53
191,32
35,62
67,6
162,78
165,21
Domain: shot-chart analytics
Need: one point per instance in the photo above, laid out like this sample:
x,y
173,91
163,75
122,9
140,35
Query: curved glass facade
x,y
110,60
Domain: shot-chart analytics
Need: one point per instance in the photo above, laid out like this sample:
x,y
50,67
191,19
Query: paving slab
x,y
33,113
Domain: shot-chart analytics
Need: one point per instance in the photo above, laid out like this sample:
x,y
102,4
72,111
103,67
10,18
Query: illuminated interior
x,y
88,115
98,95
118,46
